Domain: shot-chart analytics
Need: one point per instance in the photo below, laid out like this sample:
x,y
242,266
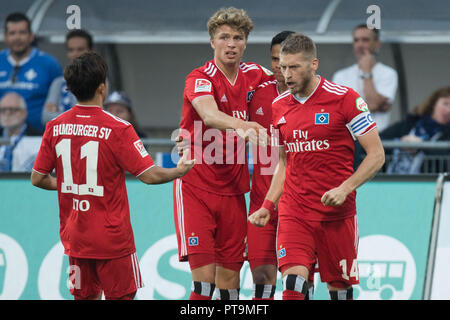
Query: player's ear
x,y
103,90
211,42
315,64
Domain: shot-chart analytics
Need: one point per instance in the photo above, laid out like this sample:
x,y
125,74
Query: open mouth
x,y
290,84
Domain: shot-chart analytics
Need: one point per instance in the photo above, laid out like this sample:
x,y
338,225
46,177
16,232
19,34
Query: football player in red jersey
x,y
90,150
314,183
209,202
261,242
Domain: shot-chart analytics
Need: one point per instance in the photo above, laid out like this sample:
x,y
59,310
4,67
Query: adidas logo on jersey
x,y
224,99
260,111
282,120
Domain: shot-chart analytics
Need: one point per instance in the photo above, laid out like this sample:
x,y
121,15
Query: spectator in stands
x,y
19,155
25,69
119,104
373,80
429,121
59,99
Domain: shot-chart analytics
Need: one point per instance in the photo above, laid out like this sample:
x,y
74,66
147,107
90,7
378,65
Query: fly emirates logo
x,y
240,114
302,144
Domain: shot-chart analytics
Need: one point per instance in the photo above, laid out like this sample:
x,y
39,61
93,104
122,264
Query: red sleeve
x,y
132,154
267,75
353,105
356,113
46,159
197,85
277,121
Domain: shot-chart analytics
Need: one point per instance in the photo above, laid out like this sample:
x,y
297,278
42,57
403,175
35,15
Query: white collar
x,y
302,100
13,62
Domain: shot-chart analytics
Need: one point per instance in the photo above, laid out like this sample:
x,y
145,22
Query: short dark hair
x,y
280,37
375,31
85,74
17,17
82,34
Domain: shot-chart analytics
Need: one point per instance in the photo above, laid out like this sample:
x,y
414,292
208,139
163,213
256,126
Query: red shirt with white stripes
x,y
221,163
318,137
265,159
90,150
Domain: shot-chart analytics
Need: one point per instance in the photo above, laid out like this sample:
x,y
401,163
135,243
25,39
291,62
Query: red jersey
x,y
221,164
318,137
265,159
90,149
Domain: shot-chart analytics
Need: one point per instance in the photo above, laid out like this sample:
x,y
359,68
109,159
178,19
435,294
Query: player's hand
x,y
254,133
334,197
260,217
182,144
184,164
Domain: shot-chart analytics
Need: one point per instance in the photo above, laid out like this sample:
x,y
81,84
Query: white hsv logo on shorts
x,y
202,85
140,148
193,241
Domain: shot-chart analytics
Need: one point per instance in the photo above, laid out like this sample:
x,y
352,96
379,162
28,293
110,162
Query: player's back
x,y
91,151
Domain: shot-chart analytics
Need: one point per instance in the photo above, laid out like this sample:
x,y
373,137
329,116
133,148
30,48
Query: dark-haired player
x,y
90,150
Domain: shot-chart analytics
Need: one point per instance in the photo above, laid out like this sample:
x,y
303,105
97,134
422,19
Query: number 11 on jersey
x,y
89,151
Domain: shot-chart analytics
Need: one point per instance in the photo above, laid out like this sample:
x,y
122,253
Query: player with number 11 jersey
x,y
91,150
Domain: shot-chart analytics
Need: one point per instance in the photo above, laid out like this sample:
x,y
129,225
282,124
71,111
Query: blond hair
x,y
235,18
296,43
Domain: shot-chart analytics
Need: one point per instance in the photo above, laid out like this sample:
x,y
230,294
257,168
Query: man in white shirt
x,y
374,81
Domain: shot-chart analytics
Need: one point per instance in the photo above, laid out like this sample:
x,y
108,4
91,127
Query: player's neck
x,y
230,71
96,101
310,88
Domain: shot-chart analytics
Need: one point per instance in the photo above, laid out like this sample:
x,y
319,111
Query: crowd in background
x,y
33,91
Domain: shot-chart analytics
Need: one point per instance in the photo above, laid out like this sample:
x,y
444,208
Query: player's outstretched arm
x,y
43,181
158,175
261,216
207,109
374,160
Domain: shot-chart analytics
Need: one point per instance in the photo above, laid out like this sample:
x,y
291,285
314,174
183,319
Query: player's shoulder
x,y
61,118
335,91
114,121
208,70
267,85
282,98
252,67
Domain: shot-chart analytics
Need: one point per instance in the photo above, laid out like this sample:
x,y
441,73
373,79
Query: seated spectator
x,y
119,105
429,121
59,99
25,69
25,141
